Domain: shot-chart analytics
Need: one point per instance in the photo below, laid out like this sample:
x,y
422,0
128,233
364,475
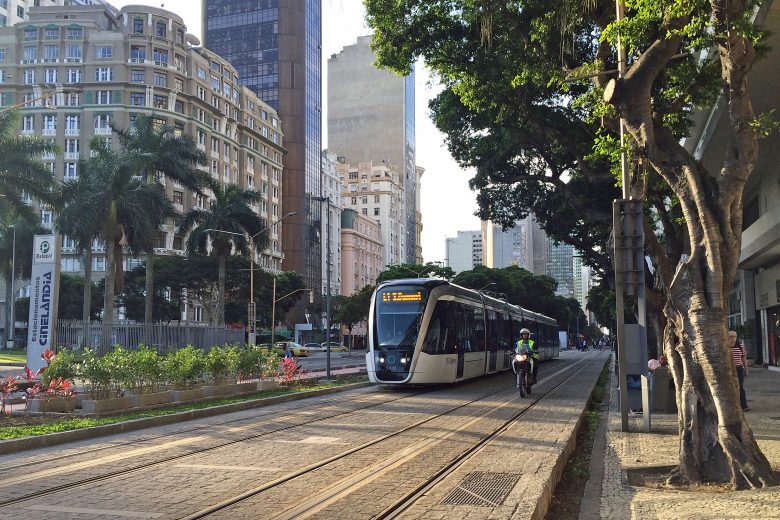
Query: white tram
x,y
425,331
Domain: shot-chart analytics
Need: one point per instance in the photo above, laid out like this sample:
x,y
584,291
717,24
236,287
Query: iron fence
x,y
162,336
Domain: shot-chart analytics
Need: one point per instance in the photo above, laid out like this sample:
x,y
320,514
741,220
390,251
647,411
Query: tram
x,y
430,331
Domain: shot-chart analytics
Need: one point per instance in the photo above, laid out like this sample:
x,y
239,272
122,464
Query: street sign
x,y
44,281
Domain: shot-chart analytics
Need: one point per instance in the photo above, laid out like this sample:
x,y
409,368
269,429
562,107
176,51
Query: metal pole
x,y
251,311
622,72
273,314
12,324
327,294
620,265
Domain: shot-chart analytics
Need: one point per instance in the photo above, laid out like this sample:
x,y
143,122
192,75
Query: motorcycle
x,y
523,367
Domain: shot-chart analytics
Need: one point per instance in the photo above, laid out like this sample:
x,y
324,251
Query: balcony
x,y
137,60
103,131
47,156
71,156
28,131
72,132
72,60
49,131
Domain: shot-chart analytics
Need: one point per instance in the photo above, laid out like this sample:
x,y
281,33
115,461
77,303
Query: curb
x,y
52,439
15,365
590,505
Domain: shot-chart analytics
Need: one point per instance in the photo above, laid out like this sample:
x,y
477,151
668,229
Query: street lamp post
x,y
11,326
251,315
327,283
273,307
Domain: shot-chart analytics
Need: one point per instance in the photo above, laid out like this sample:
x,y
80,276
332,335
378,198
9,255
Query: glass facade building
x,y
275,46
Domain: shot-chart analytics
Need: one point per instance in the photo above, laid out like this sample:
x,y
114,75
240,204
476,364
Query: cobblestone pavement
x,y
620,501
180,487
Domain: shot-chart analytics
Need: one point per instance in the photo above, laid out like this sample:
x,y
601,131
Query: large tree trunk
x,y
716,442
108,297
221,300
86,308
9,311
149,300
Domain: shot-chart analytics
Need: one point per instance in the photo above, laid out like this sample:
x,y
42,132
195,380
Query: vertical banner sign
x,y
42,324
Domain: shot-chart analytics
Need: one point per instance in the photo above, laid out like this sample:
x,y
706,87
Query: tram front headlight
x,y
381,359
403,360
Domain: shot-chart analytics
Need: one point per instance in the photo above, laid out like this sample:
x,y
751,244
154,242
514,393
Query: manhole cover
x,y
482,488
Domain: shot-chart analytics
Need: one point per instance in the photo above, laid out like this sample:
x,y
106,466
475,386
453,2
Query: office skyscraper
x,y
275,46
371,118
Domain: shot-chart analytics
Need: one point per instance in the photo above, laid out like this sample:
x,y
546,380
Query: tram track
x,y
145,439
343,487
10,481
44,474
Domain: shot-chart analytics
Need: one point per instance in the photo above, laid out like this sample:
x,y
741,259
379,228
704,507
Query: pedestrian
x,y
656,363
740,362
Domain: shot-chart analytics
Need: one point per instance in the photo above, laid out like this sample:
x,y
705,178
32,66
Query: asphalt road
x,y
316,360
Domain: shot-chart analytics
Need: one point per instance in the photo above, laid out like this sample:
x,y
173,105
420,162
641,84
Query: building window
x,y
365,211
161,57
29,34
70,265
202,93
70,171
99,263
71,146
160,29
53,34
137,99
50,122
71,122
29,76
46,218
73,52
376,212
30,53
179,84
50,76
137,53
137,76
72,99
74,75
353,200
102,121
104,74
74,33
178,197
376,199
103,97
105,51
28,124
160,79
2,53
51,52
138,25
160,101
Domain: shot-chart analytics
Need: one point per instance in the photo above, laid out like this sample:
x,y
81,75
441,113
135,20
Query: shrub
x,y
147,369
184,367
62,365
220,363
119,365
255,363
96,375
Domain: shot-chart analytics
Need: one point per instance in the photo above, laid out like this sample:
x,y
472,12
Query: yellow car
x,y
334,347
297,349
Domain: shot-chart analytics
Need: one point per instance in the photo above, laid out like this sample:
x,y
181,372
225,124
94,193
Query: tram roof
x,y
430,283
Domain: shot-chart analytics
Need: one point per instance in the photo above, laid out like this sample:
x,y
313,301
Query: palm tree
x,y
22,232
125,209
226,225
21,170
153,150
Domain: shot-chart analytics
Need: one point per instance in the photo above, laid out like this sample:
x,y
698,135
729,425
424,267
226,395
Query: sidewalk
x,y
619,501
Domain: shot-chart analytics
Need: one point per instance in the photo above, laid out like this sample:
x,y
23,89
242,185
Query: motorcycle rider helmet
x,y
525,331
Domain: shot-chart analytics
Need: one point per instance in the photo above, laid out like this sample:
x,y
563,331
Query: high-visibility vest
x,y
534,353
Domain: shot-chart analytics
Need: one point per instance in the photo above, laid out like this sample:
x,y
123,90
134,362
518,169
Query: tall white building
x,y
464,251
331,188
375,191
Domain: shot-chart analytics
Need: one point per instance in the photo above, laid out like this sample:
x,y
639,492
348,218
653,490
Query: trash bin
x,y
662,397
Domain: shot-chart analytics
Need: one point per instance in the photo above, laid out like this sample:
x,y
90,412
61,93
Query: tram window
x,y
398,315
479,329
469,343
504,329
492,340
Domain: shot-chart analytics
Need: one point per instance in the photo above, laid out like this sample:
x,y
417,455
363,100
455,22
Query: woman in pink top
x,y
740,362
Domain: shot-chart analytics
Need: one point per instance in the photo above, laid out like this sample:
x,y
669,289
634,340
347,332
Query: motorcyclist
x,y
525,343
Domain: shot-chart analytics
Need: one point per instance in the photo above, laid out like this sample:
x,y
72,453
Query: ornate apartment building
x,y
76,70
375,191
361,251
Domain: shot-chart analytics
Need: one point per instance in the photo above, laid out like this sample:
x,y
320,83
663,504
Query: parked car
x,y
280,351
296,348
313,347
334,346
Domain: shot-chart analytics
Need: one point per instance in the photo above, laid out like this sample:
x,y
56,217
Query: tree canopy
x,y
532,100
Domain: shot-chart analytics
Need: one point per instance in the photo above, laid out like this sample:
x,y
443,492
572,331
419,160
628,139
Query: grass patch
x,y
565,503
57,425
13,356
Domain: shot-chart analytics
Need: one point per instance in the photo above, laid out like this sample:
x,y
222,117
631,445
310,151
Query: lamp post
x,y
274,300
251,315
11,326
327,283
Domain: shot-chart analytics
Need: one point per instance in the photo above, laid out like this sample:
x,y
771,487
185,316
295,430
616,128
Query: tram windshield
x,y
398,315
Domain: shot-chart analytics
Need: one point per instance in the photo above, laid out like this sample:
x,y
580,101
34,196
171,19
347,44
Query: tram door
x,y
457,325
492,345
